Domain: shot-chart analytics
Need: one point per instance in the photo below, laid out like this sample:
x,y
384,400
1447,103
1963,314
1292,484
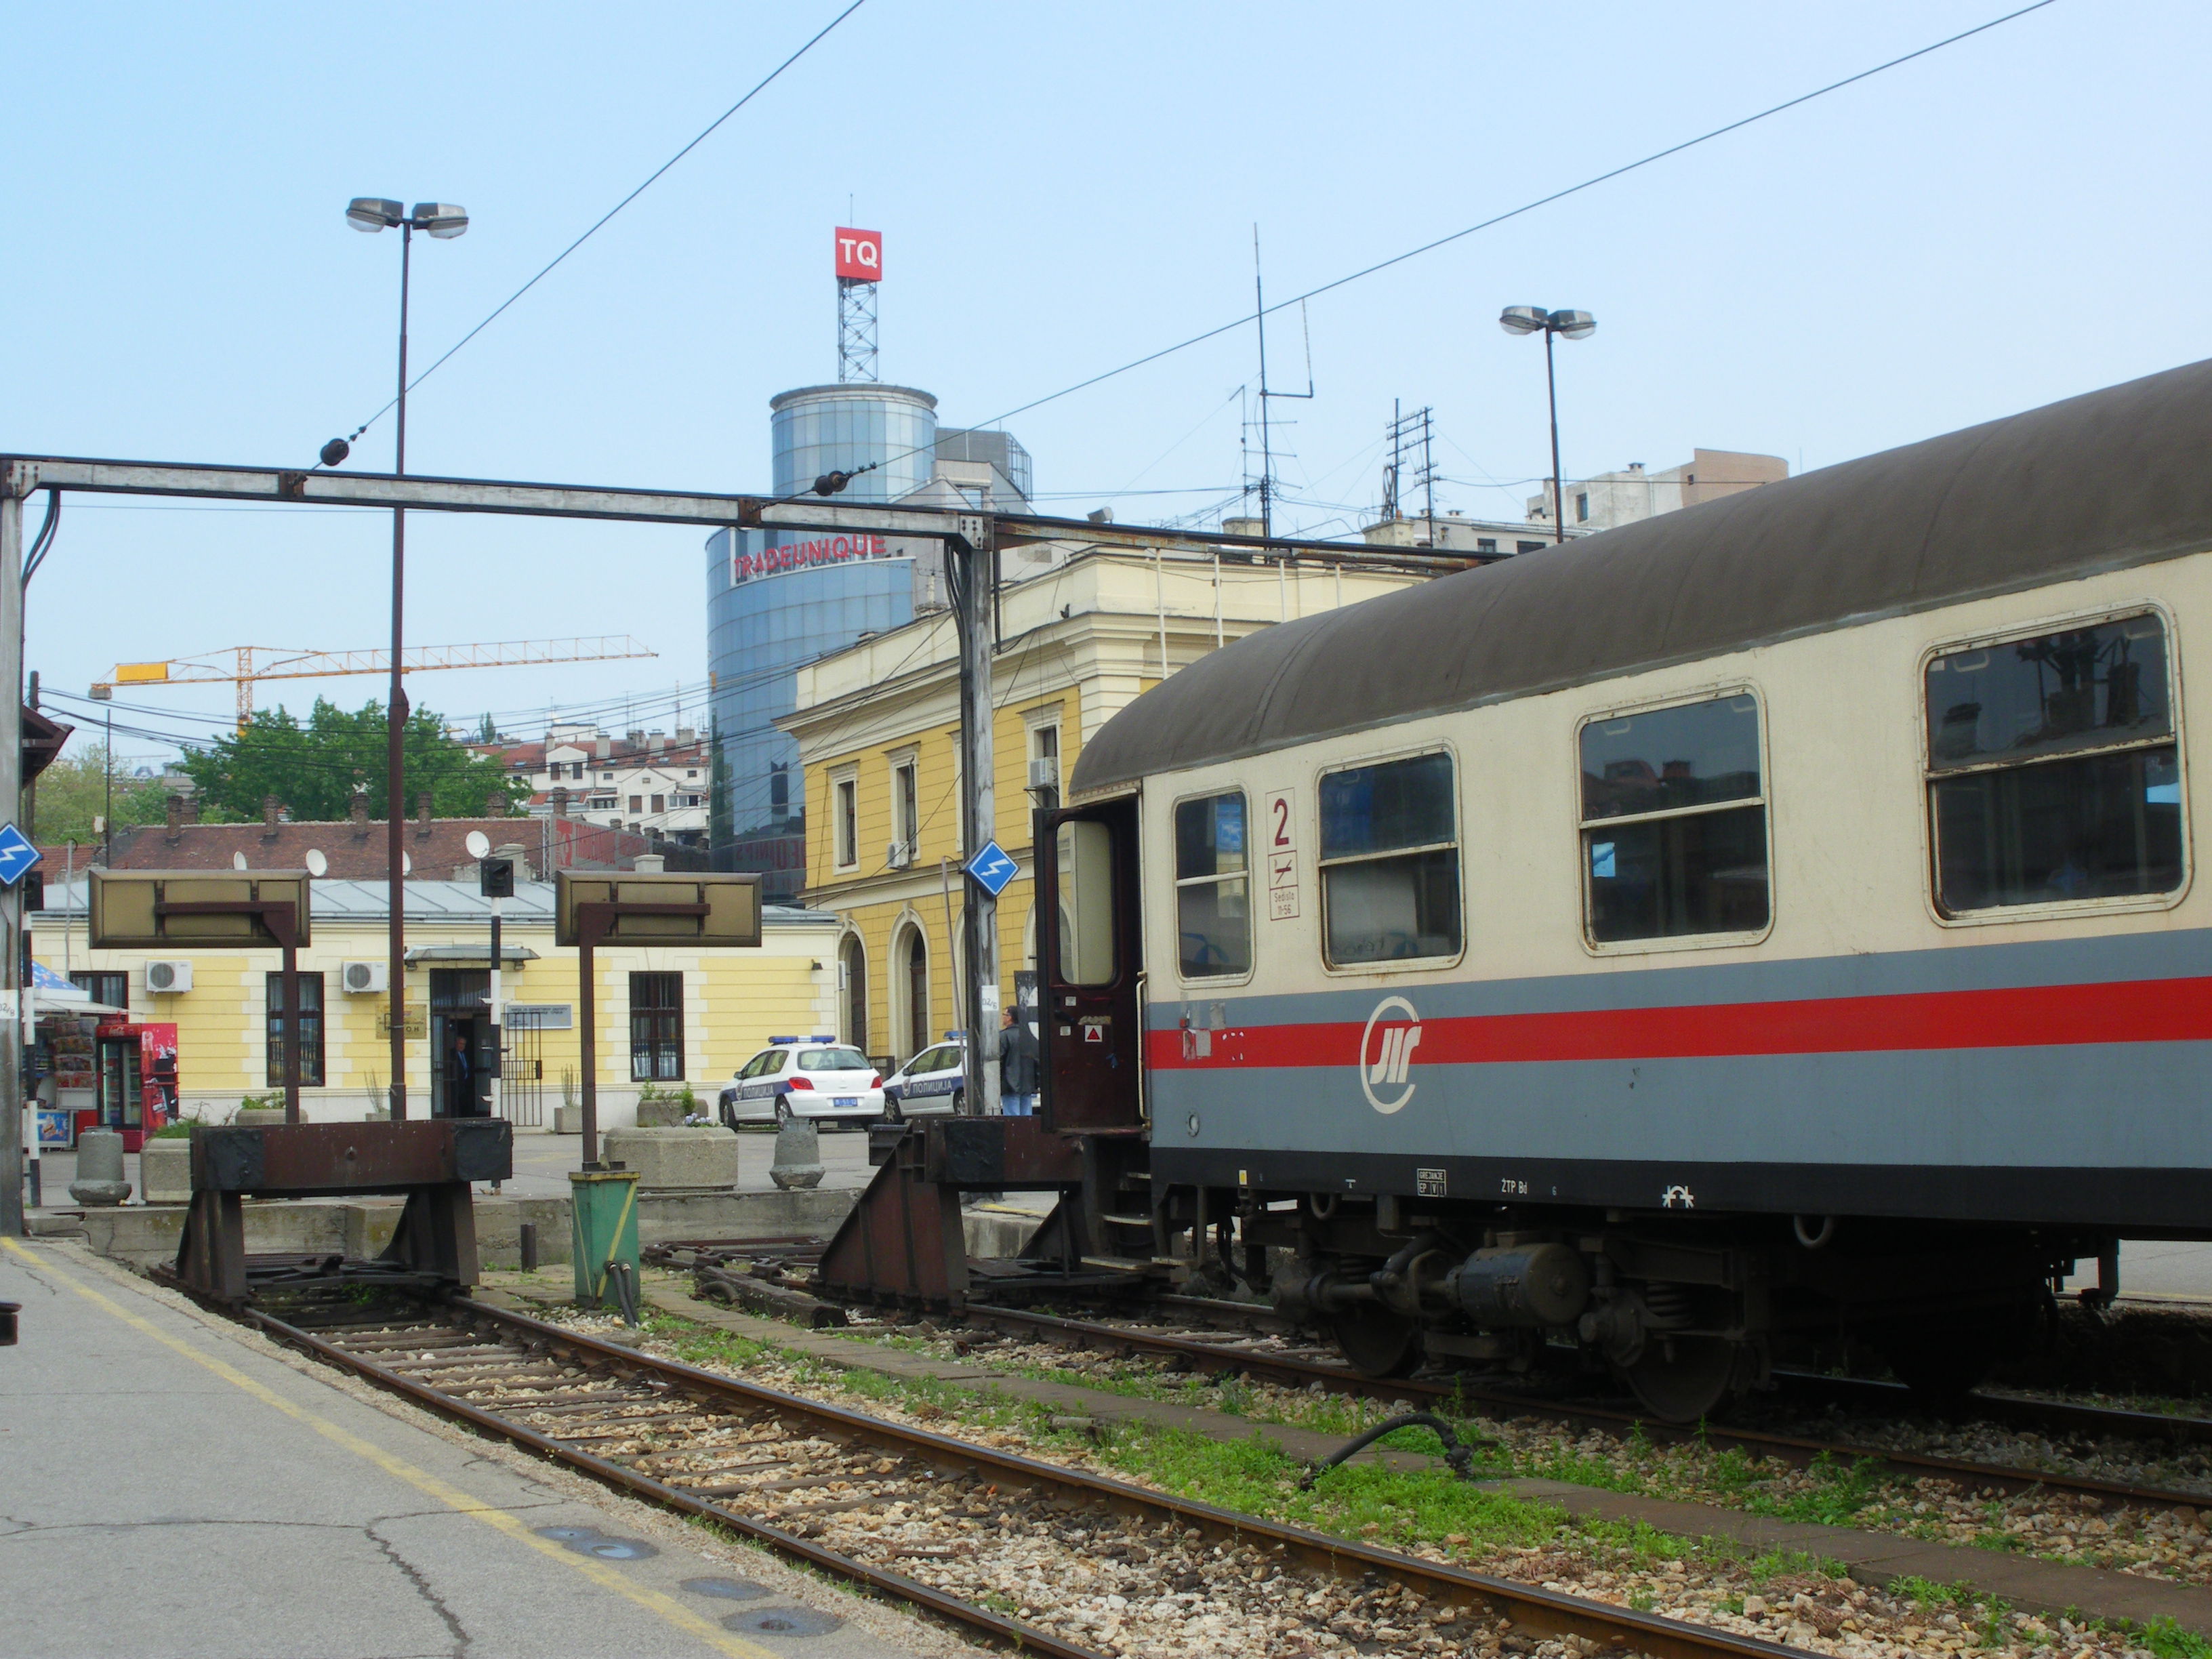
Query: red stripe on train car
x,y
2128,1011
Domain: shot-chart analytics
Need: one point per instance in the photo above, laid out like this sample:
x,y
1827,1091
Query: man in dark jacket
x,y
1019,1072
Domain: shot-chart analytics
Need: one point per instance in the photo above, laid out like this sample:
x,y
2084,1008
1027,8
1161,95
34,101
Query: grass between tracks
x,y
1426,1510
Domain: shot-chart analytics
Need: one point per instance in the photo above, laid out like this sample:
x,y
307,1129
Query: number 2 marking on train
x,y
1278,808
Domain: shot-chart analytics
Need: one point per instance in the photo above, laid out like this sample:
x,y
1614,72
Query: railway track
x,y
1223,1357
919,1517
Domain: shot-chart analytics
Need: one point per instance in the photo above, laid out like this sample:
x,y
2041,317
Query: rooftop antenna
x,y
1266,436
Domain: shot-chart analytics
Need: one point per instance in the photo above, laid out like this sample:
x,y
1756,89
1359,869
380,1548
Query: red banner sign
x,y
860,254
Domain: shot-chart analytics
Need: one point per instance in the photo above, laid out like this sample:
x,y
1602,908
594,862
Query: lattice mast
x,y
860,269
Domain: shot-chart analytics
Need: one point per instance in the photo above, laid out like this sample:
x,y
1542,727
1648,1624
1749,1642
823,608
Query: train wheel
x,y
1377,1342
1680,1379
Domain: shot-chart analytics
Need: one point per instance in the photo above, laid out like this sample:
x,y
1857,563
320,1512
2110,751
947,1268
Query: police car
x,y
934,1083
814,1077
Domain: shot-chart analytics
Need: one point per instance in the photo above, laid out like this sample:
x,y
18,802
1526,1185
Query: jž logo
x,y
860,254
1386,1054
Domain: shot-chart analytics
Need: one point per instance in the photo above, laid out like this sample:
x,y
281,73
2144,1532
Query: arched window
x,y
852,959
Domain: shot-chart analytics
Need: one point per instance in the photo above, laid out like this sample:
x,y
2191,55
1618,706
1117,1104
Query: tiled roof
x,y
355,851
436,901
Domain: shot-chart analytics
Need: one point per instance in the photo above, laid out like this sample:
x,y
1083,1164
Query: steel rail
x,y
1537,1611
2012,1410
1789,1448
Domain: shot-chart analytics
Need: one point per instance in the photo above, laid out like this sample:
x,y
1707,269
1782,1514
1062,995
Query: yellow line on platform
x,y
667,1606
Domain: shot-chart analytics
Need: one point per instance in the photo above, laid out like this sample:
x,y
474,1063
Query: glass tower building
x,y
778,598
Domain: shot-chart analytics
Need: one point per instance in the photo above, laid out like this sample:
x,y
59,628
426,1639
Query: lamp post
x,y
1576,326
444,221
107,694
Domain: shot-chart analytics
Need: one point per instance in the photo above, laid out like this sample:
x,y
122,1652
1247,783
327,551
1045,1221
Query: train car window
x,y
2053,774
1389,862
1085,855
1213,915
1674,823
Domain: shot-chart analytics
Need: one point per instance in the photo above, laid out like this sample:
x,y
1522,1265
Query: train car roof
x,y
2113,478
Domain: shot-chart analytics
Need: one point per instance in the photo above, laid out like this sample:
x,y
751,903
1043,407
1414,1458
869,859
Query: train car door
x,y
1090,947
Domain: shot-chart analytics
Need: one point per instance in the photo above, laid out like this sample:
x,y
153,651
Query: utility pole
x,y
971,567
12,991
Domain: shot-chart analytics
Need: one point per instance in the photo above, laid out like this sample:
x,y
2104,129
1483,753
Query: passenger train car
x,y
1778,916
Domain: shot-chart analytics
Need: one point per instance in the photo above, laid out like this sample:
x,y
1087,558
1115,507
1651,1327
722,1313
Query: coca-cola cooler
x,y
135,1080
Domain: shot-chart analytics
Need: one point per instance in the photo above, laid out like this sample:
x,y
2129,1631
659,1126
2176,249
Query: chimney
x,y
423,813
686,734
495,804
636,739
191,809
269,805
603,747
657,741
357,813
560,802
176,818
649,863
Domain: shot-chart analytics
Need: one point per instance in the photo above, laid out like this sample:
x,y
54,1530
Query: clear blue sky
x,y
1060,188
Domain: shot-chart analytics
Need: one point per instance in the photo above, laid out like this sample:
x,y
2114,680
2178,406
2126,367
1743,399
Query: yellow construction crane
x,y
243,664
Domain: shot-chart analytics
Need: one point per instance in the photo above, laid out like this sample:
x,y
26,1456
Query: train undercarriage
x,y
1686,1312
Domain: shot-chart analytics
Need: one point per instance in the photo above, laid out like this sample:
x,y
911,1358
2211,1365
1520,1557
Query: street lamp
x,y
1576,326
107,694
371,214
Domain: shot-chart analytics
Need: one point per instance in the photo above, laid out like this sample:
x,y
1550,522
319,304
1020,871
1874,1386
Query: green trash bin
x,y
603,1229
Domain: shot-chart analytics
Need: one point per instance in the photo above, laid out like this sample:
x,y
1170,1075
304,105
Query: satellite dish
x,y
238,860
316,863
406,864
478,843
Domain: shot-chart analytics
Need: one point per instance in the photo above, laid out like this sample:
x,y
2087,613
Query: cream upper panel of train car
x,y
1484,843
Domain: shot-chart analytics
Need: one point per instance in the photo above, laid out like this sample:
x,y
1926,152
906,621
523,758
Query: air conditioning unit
x,y
364,978
164,977
899,855
1045,774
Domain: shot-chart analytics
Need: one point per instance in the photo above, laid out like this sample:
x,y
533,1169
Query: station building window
x,y
103,986
1213,910
656,1027
846,820
310,1030
1674,823
2053,772
1389,862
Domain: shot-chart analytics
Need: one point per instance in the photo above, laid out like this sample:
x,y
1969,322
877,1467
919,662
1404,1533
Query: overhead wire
x,y
760,87
1526,207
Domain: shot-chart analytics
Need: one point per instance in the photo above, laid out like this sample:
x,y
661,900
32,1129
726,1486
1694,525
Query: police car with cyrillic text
x,y
814,1078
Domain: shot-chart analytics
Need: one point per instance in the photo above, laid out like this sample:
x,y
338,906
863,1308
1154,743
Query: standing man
x,y
1019,1070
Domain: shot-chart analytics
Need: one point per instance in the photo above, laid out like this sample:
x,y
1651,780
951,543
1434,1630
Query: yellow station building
x,y
878,732
667,1017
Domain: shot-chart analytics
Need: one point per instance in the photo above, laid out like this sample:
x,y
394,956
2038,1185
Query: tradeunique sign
x,y
860,255
148,909
685,908
806,556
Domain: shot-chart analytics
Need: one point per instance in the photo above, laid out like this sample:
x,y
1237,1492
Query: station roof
x,y
435,902
2102,482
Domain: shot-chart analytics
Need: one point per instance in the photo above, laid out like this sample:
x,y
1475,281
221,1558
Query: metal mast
x,y
856,329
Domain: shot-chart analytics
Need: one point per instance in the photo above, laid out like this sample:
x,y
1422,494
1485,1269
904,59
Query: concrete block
x,y
998,1233
98,1169
798,1155
678,1160
499,1230
250,1115
568,1119
815,1212
659,1114
165,1171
